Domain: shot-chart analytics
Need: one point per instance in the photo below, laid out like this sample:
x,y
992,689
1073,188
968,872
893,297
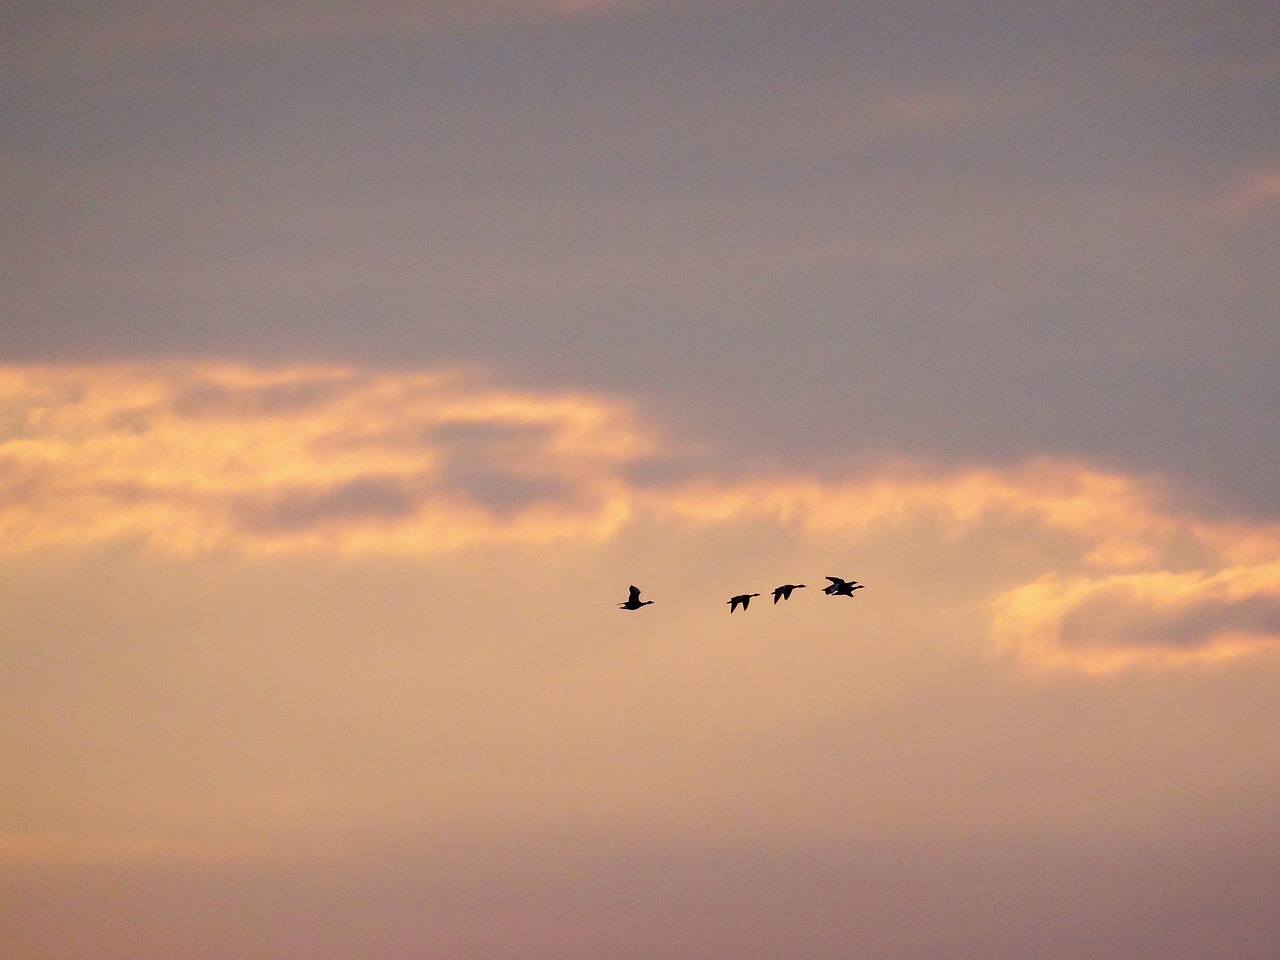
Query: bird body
x,y
633,601
784,592
841,588
742,598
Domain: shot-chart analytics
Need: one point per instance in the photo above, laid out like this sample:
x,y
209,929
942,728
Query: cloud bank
x,y
1159,618
146,28
185,458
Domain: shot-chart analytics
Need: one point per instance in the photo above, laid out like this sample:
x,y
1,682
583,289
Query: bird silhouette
x,y
742,598
842,588
784,592
633,601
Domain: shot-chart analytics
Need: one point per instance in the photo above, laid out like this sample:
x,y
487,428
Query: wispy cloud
x,y
187,458
1261,189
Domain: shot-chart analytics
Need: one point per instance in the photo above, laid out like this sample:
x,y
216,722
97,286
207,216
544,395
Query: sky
x,y
354,364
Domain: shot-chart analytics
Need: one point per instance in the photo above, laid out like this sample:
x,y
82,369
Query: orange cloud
x,y
188,458
1113,511
1157,619
1147,585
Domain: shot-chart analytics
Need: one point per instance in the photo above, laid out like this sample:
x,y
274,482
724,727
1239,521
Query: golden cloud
x,y
187,458
1157,619
1153,588
1114,511
190,458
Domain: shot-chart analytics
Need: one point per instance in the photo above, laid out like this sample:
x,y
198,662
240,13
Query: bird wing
x,y
634,595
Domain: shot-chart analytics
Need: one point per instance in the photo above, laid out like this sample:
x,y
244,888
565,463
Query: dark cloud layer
x,y
812,231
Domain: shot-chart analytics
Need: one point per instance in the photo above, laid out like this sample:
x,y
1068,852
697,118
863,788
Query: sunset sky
x,y
353,362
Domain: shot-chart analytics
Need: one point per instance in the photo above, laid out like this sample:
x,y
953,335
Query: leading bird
x,y
633,601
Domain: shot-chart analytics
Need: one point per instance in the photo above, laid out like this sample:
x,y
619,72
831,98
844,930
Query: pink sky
x,y
351,368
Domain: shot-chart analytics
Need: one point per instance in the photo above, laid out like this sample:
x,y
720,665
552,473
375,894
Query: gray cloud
x,y
1119,616
502,467
810,234
292,395
62,36
359,500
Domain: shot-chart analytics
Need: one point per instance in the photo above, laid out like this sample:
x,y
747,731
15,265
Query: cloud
x,y
1258,191
1223,61
1159,618
185,458
1149,586
189,458
133,28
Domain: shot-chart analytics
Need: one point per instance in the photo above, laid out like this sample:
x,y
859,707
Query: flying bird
x,y
842,588
633,601
784,592
742,598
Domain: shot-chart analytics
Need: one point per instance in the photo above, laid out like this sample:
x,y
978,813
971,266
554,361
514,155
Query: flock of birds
x,y
838,587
